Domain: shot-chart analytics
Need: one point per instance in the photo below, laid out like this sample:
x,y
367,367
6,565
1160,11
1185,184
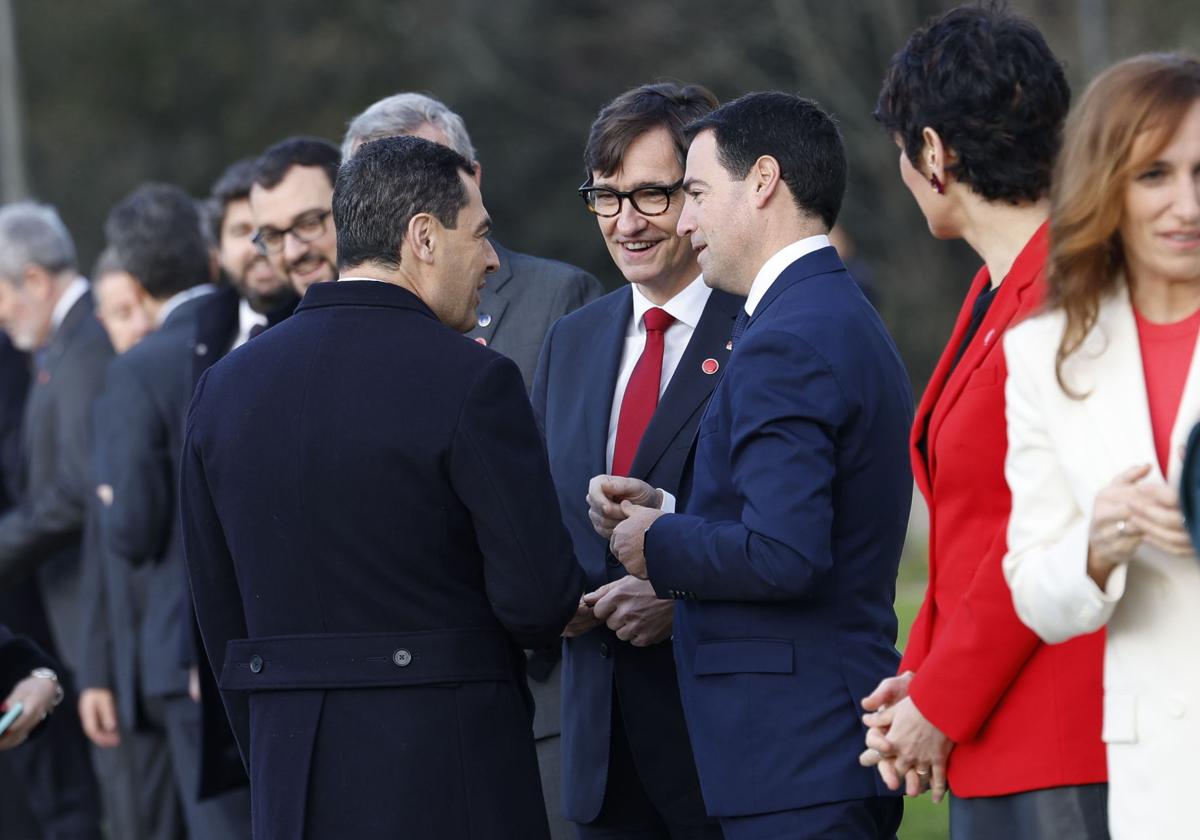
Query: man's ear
x,y
422,236
764,177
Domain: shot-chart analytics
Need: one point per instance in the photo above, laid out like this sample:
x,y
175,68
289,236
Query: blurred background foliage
x,y
123,91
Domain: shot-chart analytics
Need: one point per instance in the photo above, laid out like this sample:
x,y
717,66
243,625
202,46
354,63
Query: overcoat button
x,y
402,657
604,649
256,664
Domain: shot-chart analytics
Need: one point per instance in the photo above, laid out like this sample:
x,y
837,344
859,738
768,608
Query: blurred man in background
x,y
156,233
131,757
47,311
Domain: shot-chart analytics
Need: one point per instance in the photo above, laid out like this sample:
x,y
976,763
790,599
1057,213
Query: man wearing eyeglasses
x,y
620,388
292,203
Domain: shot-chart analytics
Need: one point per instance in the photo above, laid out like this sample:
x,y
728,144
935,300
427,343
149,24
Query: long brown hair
x,y
1147,93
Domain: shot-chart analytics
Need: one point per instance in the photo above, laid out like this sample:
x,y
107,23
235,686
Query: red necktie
x,y
641,394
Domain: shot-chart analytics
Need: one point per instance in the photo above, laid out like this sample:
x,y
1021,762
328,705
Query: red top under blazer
x,y
1023,715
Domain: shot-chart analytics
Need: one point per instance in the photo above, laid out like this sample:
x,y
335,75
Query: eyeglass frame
x,y
322,217
589,187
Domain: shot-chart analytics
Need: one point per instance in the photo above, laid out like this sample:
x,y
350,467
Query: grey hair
x,y
33,234
404,113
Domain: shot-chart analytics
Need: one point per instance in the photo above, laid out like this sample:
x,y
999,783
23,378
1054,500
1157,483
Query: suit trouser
x,y
627,812
137,789
855,819
549,756
224,817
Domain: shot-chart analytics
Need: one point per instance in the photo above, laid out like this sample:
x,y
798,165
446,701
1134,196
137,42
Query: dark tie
x,y
641,394
256,330
739,325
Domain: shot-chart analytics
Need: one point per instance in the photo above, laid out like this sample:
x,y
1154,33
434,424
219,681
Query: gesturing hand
x,y
1114,535
631,610
582,622
604,497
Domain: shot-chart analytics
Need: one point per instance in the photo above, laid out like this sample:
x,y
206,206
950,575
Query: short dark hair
x,y
156,233
385,184
232,185
795,131
109,262
633,113
274,163
987,83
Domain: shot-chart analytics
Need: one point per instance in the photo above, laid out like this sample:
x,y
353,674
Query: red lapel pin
x,y
710,366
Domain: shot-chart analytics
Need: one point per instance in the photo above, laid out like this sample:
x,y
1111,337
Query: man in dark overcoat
x,y
372,532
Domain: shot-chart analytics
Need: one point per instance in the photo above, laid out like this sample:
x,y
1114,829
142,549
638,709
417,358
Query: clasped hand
x,y
629,607
901,743
1127,513
621,510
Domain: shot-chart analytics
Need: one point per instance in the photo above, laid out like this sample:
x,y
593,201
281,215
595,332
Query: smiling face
x,y
647,249
302,194
1160,221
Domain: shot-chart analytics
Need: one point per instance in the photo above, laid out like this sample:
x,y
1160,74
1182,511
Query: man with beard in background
x,y
292,203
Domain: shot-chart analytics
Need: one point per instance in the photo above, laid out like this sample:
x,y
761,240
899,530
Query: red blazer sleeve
x,y
978,655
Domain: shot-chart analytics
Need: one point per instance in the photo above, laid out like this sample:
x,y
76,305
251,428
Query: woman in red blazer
x,y
976,102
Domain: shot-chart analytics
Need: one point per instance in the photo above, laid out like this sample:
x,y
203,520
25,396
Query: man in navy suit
x,y
372,532
620,388
157,235
783,561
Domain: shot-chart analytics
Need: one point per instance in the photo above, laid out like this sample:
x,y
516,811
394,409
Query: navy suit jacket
x,y
372,536
522,299
43,533
784,562
572,398
147,392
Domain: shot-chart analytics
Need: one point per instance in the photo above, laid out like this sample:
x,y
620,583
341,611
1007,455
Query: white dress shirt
x,y
686,308
76,289
772,268
247,319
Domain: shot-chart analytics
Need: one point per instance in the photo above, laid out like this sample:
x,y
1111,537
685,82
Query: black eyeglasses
x,y
308,227
649,201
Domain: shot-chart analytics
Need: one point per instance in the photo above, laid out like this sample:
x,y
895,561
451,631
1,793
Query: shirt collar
x,y
179,299
248,318
773,267
76,289
686,307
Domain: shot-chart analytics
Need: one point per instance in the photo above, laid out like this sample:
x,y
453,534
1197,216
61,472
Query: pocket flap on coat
x,y
1120,718
745,656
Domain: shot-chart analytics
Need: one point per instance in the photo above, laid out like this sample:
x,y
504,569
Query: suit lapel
x,y
933,391
1109,366
691,385
1016,294
598,361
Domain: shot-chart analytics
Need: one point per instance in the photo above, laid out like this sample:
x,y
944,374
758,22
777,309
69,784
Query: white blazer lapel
x,y
1109,366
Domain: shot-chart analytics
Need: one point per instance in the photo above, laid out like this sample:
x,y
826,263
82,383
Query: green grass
x,y
922,819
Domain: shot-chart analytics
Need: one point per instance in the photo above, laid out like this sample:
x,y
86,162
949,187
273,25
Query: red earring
x,y
937,185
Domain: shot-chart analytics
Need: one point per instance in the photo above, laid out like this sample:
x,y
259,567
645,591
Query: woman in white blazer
x,y
1103,388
